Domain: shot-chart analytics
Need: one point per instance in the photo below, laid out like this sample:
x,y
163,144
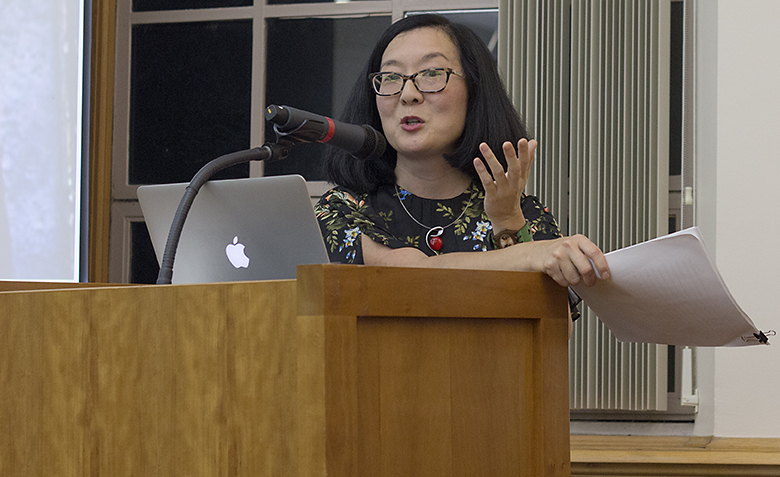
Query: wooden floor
x,y
674,456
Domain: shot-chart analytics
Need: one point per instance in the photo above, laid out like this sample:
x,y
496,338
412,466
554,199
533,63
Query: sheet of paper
x,y
668,291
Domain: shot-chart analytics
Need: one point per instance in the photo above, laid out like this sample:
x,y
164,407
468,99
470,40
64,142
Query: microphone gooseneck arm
x,y
267,153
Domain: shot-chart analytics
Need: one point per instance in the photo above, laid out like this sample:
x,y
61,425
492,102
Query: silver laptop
x,y
238,229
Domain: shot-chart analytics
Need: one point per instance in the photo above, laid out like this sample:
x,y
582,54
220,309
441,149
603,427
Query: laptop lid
x,y
238,229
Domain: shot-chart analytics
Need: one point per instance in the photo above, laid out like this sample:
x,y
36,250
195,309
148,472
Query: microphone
x,y
363,142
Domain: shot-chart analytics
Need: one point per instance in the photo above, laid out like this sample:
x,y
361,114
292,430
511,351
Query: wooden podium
x,y
346,371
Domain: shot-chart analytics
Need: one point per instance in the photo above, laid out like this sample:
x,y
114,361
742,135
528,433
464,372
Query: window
x,y
311,64
41,94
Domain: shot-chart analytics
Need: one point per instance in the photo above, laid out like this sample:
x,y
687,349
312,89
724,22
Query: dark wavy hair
x,y
490,116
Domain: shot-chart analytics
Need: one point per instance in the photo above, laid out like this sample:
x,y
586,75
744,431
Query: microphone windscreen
x,y
374,144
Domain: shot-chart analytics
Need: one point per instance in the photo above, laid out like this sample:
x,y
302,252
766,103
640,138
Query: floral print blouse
x,y
397,218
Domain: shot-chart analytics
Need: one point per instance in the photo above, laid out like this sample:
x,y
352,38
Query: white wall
x,y
738,204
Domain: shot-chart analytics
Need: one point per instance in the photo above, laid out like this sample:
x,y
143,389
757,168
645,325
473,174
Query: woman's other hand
x,y
570,260
504,189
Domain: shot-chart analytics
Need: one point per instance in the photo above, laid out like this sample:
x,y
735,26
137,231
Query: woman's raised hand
x,y
504,189
568,260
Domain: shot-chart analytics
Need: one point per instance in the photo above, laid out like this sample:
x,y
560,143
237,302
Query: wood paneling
x,y
101,127
235,379
229,379
429,292
442,376
674,456
446,392
6,286
154,381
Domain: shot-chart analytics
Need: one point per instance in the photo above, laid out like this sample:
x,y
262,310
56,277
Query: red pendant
x,y
435,243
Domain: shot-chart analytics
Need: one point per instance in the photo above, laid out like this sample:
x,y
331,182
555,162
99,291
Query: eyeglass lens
x,y
427,81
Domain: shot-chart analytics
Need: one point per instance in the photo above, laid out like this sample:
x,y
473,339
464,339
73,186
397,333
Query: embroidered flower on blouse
x,y
480,232
350,237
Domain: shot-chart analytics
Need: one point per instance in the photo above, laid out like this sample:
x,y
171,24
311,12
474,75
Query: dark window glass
x,y
144,267
311,64
288,2
159,5
676,87
190,98
483,22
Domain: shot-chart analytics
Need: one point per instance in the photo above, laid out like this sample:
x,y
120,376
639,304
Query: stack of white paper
x,y
668,291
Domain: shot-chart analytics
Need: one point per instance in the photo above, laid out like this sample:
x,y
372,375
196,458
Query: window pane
x,y
159,5
190,98
676,57
144,267
483,22
312,65
40,139
288,2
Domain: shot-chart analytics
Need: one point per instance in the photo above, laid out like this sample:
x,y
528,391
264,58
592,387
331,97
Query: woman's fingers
x,y
513,165
504,187
574,260
484,175
525,157
518,163
496,169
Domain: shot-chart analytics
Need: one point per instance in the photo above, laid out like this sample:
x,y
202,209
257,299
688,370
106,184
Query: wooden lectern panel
x,y
432,372
453,395
346,371
195,380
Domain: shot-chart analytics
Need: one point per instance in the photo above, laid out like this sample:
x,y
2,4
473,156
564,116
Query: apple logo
x,y
235,253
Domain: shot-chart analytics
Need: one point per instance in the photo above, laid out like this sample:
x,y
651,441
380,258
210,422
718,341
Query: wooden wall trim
x,y
674,456
101,110
10,286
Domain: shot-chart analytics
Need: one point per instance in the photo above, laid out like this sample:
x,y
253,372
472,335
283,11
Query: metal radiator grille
x,y
591,79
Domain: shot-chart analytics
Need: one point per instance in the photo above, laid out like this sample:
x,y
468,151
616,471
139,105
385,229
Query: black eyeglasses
x,y
431,80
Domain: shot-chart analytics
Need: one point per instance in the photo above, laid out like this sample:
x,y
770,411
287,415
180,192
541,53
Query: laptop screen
x,y
237,230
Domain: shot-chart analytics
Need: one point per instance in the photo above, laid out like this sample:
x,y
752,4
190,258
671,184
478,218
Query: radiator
x,y
591,78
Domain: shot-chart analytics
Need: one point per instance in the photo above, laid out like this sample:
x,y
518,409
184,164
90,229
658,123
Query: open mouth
x,y
411,121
